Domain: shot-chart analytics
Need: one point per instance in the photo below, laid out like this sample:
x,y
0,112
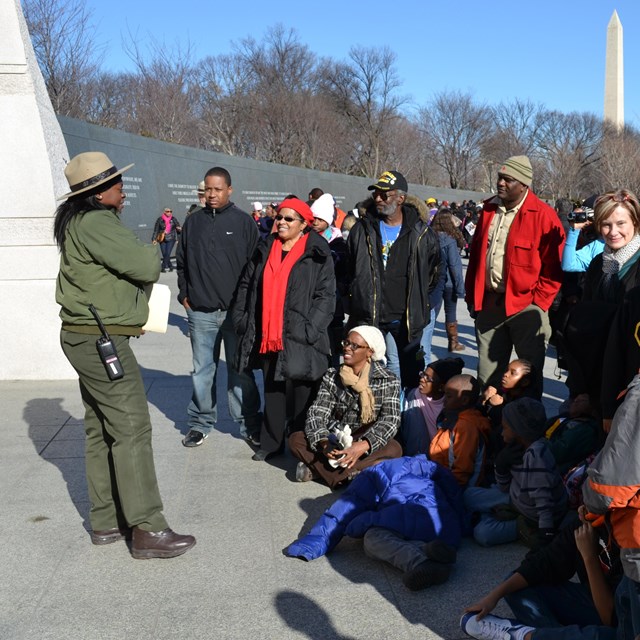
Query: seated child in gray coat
x,y
529,493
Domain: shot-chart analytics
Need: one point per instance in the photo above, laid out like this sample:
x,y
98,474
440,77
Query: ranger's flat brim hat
x,y
89,170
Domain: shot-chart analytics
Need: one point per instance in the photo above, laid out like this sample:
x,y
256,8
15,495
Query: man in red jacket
x,y
514,273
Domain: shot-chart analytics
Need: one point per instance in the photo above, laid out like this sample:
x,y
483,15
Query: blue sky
x,y
552,52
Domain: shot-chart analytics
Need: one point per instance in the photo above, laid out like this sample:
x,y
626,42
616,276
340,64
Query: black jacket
x,y
214,247
622,353
593,288
420,250
176,229
558,561
308,310
583,339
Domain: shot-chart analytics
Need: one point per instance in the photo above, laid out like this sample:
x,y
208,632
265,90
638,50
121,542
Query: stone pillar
x,y
31,165
614,74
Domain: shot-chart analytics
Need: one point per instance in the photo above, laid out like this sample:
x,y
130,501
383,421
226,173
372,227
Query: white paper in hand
x,y
159,297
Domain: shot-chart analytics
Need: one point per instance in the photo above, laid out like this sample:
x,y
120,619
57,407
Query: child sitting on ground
x,y
528,482
423,405
460,443
573,437
517,382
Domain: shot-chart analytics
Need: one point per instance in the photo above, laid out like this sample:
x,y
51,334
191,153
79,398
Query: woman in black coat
x,y
165,233
283,307
610,276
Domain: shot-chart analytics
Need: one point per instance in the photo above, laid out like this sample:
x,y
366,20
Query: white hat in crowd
x,y
323,208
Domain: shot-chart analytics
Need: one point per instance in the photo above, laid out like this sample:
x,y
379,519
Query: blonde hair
x,y
608,202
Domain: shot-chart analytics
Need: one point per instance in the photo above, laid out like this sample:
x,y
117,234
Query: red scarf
x,y
274,290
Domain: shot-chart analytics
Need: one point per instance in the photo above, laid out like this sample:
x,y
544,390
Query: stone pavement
x,y
235,584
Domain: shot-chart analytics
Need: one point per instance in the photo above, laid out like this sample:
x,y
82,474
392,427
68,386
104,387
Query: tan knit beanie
x,y
518,167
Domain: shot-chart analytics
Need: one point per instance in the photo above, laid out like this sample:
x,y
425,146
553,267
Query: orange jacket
x,y
463,448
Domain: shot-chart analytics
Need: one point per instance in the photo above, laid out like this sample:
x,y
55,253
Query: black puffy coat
x,y
308,310
420,251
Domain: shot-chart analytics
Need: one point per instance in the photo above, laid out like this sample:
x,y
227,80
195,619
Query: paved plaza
x,y
236,583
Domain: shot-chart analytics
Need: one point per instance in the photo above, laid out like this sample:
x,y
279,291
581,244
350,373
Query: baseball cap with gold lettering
x,y
390,180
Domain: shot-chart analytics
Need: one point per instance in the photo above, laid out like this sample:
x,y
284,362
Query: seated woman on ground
x,y
423,404
358,401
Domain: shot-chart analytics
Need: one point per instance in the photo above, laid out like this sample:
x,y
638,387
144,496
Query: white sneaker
x,y
493,628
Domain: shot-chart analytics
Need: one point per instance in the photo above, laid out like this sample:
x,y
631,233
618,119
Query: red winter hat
x,y
299,207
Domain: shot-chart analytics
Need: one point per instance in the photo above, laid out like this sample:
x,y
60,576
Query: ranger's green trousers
x,y
123,489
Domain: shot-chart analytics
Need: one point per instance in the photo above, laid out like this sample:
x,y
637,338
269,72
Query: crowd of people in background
x,y
338,312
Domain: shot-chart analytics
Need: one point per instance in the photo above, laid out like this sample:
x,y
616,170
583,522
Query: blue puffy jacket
x,y
412,496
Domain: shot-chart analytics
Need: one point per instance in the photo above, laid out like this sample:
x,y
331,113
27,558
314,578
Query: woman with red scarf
x,y
284,305
165,233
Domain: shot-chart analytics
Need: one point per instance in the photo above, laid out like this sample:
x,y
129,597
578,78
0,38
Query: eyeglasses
x,y
425,376
289,218
346,344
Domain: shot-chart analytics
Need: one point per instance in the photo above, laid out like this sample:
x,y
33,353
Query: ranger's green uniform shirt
x,y
104,264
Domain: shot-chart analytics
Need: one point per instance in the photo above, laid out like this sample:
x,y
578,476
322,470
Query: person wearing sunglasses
x,y
165,233
284,303
394,264
362,395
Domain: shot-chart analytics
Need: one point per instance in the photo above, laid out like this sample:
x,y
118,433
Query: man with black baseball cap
x,y
394,260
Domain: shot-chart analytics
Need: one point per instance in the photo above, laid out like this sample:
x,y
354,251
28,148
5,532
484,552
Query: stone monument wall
x,y
166,175
31,164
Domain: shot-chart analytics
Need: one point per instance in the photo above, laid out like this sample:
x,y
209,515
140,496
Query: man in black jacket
x,y
216,244
394,262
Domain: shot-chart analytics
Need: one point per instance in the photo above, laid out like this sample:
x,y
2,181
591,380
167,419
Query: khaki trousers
x,y
527,332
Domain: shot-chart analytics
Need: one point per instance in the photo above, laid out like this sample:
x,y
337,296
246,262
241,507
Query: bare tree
x,y
282,79
619,165
568,144
165,102
364,91
225,105
455,129
517,127
64,42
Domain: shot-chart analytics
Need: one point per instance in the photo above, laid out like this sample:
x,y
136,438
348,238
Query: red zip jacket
x,y
532,261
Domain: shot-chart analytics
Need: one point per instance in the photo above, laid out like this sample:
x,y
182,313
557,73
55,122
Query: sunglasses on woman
x,y
288,218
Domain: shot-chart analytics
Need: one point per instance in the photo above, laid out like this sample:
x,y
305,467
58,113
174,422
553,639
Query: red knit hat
x,y
299,207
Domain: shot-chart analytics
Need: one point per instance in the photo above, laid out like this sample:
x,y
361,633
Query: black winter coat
x,y
589,325
308,310
367,271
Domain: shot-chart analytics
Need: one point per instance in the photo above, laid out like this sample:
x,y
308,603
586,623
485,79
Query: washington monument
x,y
614,74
